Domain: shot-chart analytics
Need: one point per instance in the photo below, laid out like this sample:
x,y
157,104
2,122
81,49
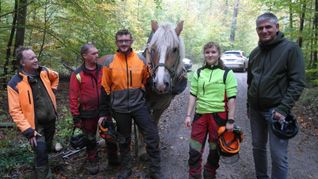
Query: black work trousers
x,y
44,143
151,137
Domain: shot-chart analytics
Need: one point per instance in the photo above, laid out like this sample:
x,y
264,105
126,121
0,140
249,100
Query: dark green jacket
x,y
276,75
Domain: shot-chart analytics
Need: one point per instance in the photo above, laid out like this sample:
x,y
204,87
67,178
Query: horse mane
x,y
166,36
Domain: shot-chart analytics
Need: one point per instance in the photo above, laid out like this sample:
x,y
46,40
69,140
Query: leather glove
x,y
77,122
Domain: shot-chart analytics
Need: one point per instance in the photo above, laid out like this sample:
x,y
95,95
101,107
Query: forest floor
x,y
303,157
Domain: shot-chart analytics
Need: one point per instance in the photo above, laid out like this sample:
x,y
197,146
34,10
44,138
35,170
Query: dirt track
x,y
303,157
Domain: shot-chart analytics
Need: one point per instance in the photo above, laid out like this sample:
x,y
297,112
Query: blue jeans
x,y
261,132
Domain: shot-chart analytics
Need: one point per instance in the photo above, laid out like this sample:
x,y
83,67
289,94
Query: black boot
x,y
156,175
43,172
124,173
195,176
126,167
92,166
207,175
113,160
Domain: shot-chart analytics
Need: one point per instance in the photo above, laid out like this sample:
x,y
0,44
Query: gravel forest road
x,y
303,157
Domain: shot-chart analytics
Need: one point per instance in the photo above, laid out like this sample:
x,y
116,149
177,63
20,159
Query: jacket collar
x,y
98,67
212,67
128,53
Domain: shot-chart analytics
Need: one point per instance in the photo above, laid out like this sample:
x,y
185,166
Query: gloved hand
x,y
77,122
229,124
107,129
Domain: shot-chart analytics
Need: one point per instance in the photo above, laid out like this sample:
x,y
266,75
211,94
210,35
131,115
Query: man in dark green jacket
x,y
275,82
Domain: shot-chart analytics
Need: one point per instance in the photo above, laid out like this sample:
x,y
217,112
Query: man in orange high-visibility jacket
x,y
123,95
32,106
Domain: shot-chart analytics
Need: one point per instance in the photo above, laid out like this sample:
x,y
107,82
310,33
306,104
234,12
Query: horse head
x,y
164,54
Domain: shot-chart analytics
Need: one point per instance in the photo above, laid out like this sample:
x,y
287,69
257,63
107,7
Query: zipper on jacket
x,y
211,75
259,83
93,84
127,74
130,77
203,87
29,97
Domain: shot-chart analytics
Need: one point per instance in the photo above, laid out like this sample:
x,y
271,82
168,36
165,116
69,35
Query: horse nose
x,y
163,87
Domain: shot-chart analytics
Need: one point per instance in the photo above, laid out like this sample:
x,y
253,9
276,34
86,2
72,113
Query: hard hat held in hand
x,y
107,130
78,141
286,128
229,141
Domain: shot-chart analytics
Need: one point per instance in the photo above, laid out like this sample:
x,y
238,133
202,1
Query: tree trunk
x,y
21,18
290,14
314,62
10,41
301,24
225,12
234,21
45,29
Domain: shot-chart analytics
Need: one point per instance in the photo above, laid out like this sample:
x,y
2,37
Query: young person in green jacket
x,y
275,81
213,92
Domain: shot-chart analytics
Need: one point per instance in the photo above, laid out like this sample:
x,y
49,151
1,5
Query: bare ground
x,y
303,157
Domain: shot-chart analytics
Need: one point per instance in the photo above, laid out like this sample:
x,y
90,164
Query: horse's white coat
x,y
165,40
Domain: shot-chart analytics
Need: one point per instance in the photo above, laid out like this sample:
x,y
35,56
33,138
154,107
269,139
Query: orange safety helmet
x,y
229,141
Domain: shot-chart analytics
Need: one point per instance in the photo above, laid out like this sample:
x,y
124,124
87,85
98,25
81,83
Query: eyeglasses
x,y
124,41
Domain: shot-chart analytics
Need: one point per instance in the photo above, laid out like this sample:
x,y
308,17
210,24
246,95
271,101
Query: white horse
x,y
164,55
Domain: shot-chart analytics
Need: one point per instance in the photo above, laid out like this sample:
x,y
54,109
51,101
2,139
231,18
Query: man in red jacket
x,y
84,93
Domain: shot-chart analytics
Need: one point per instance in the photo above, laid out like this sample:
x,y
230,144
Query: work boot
x,y
113,160
207,175
92,167
156,175
124,173
126,167
195,176
43,172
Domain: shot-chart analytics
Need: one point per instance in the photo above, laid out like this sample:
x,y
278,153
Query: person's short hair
x,y
268,16
19,52
218,48
123,32
210,45
86,47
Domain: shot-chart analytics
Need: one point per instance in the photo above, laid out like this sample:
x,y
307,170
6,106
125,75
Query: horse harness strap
x,y
153,67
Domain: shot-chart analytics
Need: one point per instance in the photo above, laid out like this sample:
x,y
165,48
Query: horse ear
x,y
179,28
154,25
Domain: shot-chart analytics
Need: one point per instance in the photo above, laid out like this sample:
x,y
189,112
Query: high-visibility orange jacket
x,y
124,79
20,98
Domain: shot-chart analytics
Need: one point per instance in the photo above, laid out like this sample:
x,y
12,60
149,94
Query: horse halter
x,y
150,56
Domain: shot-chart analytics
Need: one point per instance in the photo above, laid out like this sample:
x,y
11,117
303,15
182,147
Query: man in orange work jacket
x,y
32,106
123,96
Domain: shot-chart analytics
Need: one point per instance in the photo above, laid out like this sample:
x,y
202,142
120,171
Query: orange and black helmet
x,y
229,141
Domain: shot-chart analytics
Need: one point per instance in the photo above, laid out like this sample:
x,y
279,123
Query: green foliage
x,y
64,126
312,77
13,154
309,98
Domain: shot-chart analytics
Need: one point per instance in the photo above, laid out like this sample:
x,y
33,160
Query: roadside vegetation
x,y
56,29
